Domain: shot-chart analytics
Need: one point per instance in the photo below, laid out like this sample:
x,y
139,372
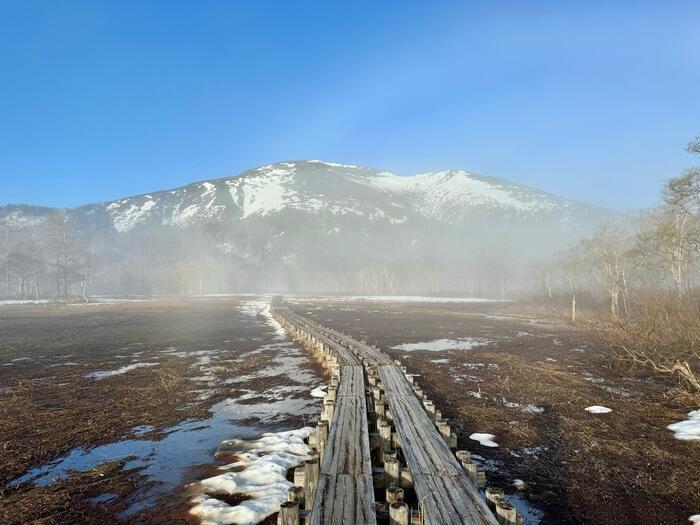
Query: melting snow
x,y
486,440
595,409
319,392
259,472
688,430
440,345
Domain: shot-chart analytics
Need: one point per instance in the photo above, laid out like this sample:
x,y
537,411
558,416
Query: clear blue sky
x,y
100,100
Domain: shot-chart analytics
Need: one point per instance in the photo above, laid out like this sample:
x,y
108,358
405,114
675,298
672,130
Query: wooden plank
x,y
347,450
352,382
343,499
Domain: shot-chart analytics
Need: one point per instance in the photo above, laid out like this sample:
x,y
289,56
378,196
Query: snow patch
x,y
486,440
259,472
596,409
688,430
440,345
319,392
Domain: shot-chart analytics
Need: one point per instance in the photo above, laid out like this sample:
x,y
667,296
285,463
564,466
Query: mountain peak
x,y
328,191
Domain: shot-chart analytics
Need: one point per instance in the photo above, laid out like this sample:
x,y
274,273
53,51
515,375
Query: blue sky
x,y
590,100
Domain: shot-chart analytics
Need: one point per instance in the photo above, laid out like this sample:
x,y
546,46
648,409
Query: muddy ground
x,y
528,384
59,394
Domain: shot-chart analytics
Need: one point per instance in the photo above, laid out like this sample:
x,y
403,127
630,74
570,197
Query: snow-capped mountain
x,y
316,216
453,197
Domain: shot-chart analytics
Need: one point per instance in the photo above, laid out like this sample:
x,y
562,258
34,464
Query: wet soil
x,y
528,384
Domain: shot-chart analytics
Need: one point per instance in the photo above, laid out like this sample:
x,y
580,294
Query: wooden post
x,y
398,513
444,429
506,513
328,409
299,476
468,465
310,482
384,437
392,472
295,494
493,496
394,494
331,394
380,409
289,513
452,441
480,479
406,479
390,455
321,437
429,408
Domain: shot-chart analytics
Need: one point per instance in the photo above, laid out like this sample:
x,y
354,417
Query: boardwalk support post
x,y
506,513
310,481
398,513
394,494
289,513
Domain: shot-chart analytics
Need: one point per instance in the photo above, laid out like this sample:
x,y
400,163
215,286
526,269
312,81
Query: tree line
x,y
54,259
638,282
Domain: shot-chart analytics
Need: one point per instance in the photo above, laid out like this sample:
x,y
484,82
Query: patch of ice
x,y
259,472
596,409
440,345
486,440
101,374
688,430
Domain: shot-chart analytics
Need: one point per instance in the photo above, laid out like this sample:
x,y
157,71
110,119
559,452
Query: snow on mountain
x,y
325,190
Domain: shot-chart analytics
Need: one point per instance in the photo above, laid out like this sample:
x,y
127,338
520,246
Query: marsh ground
x,y
527,380
106,410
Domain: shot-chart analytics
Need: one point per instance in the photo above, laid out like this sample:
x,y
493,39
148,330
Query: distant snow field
x,y
440,345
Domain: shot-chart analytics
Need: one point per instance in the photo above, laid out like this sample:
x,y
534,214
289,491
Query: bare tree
x,y
674,235
609,256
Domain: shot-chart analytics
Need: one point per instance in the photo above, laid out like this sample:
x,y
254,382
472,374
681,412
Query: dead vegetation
x,y
622,467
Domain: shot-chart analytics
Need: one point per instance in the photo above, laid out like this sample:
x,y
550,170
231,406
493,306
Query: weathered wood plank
x,y
347,450
344,499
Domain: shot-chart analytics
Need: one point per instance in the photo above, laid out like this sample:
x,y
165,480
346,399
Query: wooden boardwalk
x,y
368,388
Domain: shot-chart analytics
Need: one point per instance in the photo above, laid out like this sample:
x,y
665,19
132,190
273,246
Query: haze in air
x,y
259,260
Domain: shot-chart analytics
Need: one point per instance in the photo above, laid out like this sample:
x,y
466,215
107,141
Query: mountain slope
x,y
304,223
315,187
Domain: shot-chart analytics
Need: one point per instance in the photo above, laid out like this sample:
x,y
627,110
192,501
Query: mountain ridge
x,y
446,195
